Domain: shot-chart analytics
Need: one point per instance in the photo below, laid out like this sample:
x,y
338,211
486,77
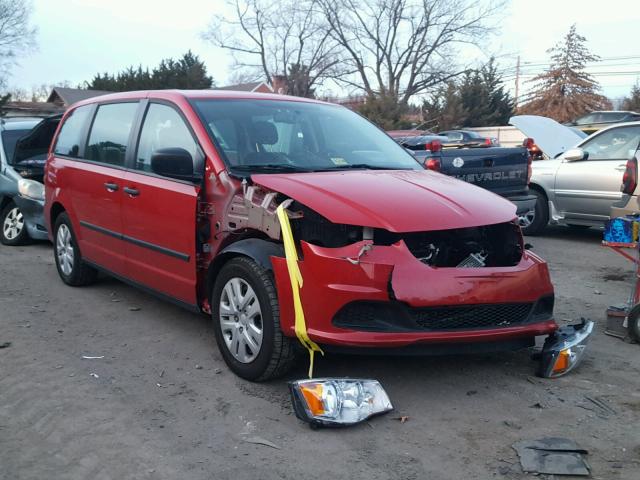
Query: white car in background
x,y
583,180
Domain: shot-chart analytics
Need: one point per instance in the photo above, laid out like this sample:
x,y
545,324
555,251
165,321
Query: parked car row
x,y
192,196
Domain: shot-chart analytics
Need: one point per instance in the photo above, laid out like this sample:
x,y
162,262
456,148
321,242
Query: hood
x,y
552,138
395,200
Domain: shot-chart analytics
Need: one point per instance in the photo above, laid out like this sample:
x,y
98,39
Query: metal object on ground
x,y
564,349
552,456
617,322
334,402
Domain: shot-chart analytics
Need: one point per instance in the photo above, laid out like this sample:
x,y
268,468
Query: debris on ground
x,y
261,441
87,357
134,309
402,419
94,375
552,456
5,345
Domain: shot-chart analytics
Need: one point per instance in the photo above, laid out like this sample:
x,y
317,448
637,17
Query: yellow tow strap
x,y
291,256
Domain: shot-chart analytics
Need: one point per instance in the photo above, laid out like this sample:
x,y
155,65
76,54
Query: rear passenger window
x,y
163,128
110,133
70,136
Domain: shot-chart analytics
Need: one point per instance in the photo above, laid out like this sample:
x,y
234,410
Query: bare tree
x,y
400,48
270,39
16,32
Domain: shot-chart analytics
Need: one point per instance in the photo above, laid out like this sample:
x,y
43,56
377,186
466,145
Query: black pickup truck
x,y
504,171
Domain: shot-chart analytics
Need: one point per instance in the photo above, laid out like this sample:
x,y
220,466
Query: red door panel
x,y
97,209
160,236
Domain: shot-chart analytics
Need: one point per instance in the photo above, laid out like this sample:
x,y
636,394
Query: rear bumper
x,y
33,212
523,203
628,205
392,274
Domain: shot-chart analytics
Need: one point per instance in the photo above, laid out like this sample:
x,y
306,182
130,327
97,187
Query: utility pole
x,y
517,82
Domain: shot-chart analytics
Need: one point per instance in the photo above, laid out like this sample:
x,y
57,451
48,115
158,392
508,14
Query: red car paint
x,y
168,214
398,201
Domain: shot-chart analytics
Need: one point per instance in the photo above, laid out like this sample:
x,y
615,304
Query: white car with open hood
x,y
583,181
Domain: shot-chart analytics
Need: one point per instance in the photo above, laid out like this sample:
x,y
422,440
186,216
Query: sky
x,y
78,38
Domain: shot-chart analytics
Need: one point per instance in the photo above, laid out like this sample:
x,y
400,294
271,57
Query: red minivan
x,y
178,193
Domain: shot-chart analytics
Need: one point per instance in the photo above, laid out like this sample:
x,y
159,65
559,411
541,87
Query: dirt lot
x,y
162,405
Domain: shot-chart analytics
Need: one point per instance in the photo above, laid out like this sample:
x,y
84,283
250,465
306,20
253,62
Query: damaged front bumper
x,y
372,296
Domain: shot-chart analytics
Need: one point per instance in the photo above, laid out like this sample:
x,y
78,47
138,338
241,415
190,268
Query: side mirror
x,y
173,163
574,155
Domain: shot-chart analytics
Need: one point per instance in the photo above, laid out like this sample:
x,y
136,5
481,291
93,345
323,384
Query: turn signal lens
x,y
564,350
338,401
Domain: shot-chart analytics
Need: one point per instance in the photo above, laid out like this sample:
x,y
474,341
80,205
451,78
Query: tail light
x,y
528,143
487,141
630,177
432,164
433,146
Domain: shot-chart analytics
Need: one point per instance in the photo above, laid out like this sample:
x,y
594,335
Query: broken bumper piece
x,y
564,349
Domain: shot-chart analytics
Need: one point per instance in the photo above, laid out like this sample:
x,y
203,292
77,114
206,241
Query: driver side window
x,y
616,144
163,128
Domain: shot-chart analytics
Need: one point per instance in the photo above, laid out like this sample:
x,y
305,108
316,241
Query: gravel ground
x,y
162,405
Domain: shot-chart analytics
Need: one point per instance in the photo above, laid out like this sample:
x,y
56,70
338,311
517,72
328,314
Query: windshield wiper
x,y
360,166
269,167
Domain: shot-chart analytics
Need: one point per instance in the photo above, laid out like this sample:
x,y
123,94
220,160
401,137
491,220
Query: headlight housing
x,y
564,349
338,401
31,189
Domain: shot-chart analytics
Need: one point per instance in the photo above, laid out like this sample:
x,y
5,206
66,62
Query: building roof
x,y
37,109
244,87
69,96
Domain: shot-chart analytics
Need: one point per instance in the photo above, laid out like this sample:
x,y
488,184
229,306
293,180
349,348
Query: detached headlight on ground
x,y
333,402
31,189
564,350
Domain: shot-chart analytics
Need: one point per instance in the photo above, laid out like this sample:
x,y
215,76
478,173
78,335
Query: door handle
x,y
621,168
134,192
111,187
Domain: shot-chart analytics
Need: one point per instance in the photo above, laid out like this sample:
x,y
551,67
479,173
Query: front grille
x,y
398,317
471,317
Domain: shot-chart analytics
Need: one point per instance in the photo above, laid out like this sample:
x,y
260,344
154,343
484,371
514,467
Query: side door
x,y
96,182
159,212
586,189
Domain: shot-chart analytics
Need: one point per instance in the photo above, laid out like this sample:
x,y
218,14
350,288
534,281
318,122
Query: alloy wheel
x,y
13,224
526,219
241,320
64,249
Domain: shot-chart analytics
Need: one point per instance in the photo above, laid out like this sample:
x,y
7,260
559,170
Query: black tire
x,y
541,215
80,273
16,234
277,352
633,323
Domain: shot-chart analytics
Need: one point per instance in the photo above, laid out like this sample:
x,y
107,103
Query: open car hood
x,y
552,138
396,200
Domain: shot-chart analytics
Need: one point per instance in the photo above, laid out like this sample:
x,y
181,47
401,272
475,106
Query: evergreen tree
x,y
478,100
566,91
386,112
632,102
188,72
444,109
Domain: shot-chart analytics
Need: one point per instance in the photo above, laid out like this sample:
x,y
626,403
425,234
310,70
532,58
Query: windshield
x,y
264,135
9,140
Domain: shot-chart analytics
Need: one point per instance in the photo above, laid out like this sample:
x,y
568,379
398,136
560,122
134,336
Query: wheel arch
x,y
56,209
257,249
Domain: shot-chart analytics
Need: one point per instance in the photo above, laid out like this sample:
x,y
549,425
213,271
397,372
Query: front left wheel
x,y
14,230
246,318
